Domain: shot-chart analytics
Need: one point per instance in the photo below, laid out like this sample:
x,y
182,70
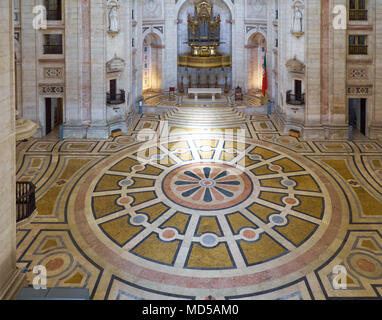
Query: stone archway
x,y
256,49
152,62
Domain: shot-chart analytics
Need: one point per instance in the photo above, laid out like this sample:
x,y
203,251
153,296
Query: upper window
x,y
357,4
53,10
357,44
16,11
357,10
53,44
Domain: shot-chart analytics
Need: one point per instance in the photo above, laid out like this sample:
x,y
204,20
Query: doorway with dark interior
x,y
357,115
53,114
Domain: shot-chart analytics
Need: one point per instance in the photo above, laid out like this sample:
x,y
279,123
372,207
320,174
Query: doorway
x,y
113,88
256,50
152,63
357,115
298,90
53,114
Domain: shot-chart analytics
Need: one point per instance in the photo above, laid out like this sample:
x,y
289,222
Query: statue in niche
x,y
113,20
297,21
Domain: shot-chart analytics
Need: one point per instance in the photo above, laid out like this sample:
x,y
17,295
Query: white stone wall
x,y
85,111
376,122
7,154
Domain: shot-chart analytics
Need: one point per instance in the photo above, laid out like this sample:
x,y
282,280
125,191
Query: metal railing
x,y
357,14
54,15
116,98
25,200
52,49
295,100
357,49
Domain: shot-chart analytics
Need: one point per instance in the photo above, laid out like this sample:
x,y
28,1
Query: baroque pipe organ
x,y
204,39
203,31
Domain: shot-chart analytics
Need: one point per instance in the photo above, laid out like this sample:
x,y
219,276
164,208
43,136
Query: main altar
x,y
204,40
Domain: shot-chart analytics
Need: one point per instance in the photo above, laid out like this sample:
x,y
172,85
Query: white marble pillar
x,y
170,72
338,75
238,44
98,127
10,277
75,107
376,122
29,77
313,68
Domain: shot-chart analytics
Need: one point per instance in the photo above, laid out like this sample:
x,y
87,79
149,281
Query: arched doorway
x,y
256,50
152,63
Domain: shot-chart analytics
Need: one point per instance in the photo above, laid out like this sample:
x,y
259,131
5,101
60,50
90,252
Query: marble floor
x,y
240,212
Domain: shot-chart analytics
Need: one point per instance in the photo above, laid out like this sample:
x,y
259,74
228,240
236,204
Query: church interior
x,y
191,149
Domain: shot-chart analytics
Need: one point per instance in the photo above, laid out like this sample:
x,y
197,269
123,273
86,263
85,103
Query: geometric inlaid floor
x,y
226,213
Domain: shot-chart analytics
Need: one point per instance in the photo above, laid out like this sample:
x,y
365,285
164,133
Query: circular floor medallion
x,y
208,186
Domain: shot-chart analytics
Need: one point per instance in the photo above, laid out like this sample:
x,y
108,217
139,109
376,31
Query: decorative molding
x,y
359,61
115,65
53,73
360,91
360,27
295,66
159,28
51,60
250,28
358,74
51,90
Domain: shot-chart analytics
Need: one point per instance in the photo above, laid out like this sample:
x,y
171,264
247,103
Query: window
x,y
357,4
16,11
53,10
357,44
53,44
357,10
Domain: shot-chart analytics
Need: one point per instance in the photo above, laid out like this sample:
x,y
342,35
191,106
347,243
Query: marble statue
x,y
297,20
113,17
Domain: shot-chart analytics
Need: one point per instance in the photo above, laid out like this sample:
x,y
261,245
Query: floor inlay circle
x,y
207,186
205,213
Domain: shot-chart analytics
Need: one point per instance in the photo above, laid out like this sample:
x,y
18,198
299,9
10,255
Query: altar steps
x,y
223,116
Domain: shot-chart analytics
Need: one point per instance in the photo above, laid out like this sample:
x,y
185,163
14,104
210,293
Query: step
x,y
29,293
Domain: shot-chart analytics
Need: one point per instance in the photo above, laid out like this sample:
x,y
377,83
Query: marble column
x,y
29,76
337,69
170,72
376,122
313,127
10,278
76,105
98,128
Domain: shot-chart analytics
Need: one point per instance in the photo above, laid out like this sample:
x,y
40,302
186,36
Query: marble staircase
x,y
205,116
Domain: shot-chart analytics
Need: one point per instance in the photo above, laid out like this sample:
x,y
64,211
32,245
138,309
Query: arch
x,y
254,32
191,75
255,58
180,4
152,61
154,31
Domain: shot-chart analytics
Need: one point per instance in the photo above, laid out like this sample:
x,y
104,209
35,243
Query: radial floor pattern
x,y
223,213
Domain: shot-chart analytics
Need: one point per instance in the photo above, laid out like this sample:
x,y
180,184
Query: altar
x,y
197,91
